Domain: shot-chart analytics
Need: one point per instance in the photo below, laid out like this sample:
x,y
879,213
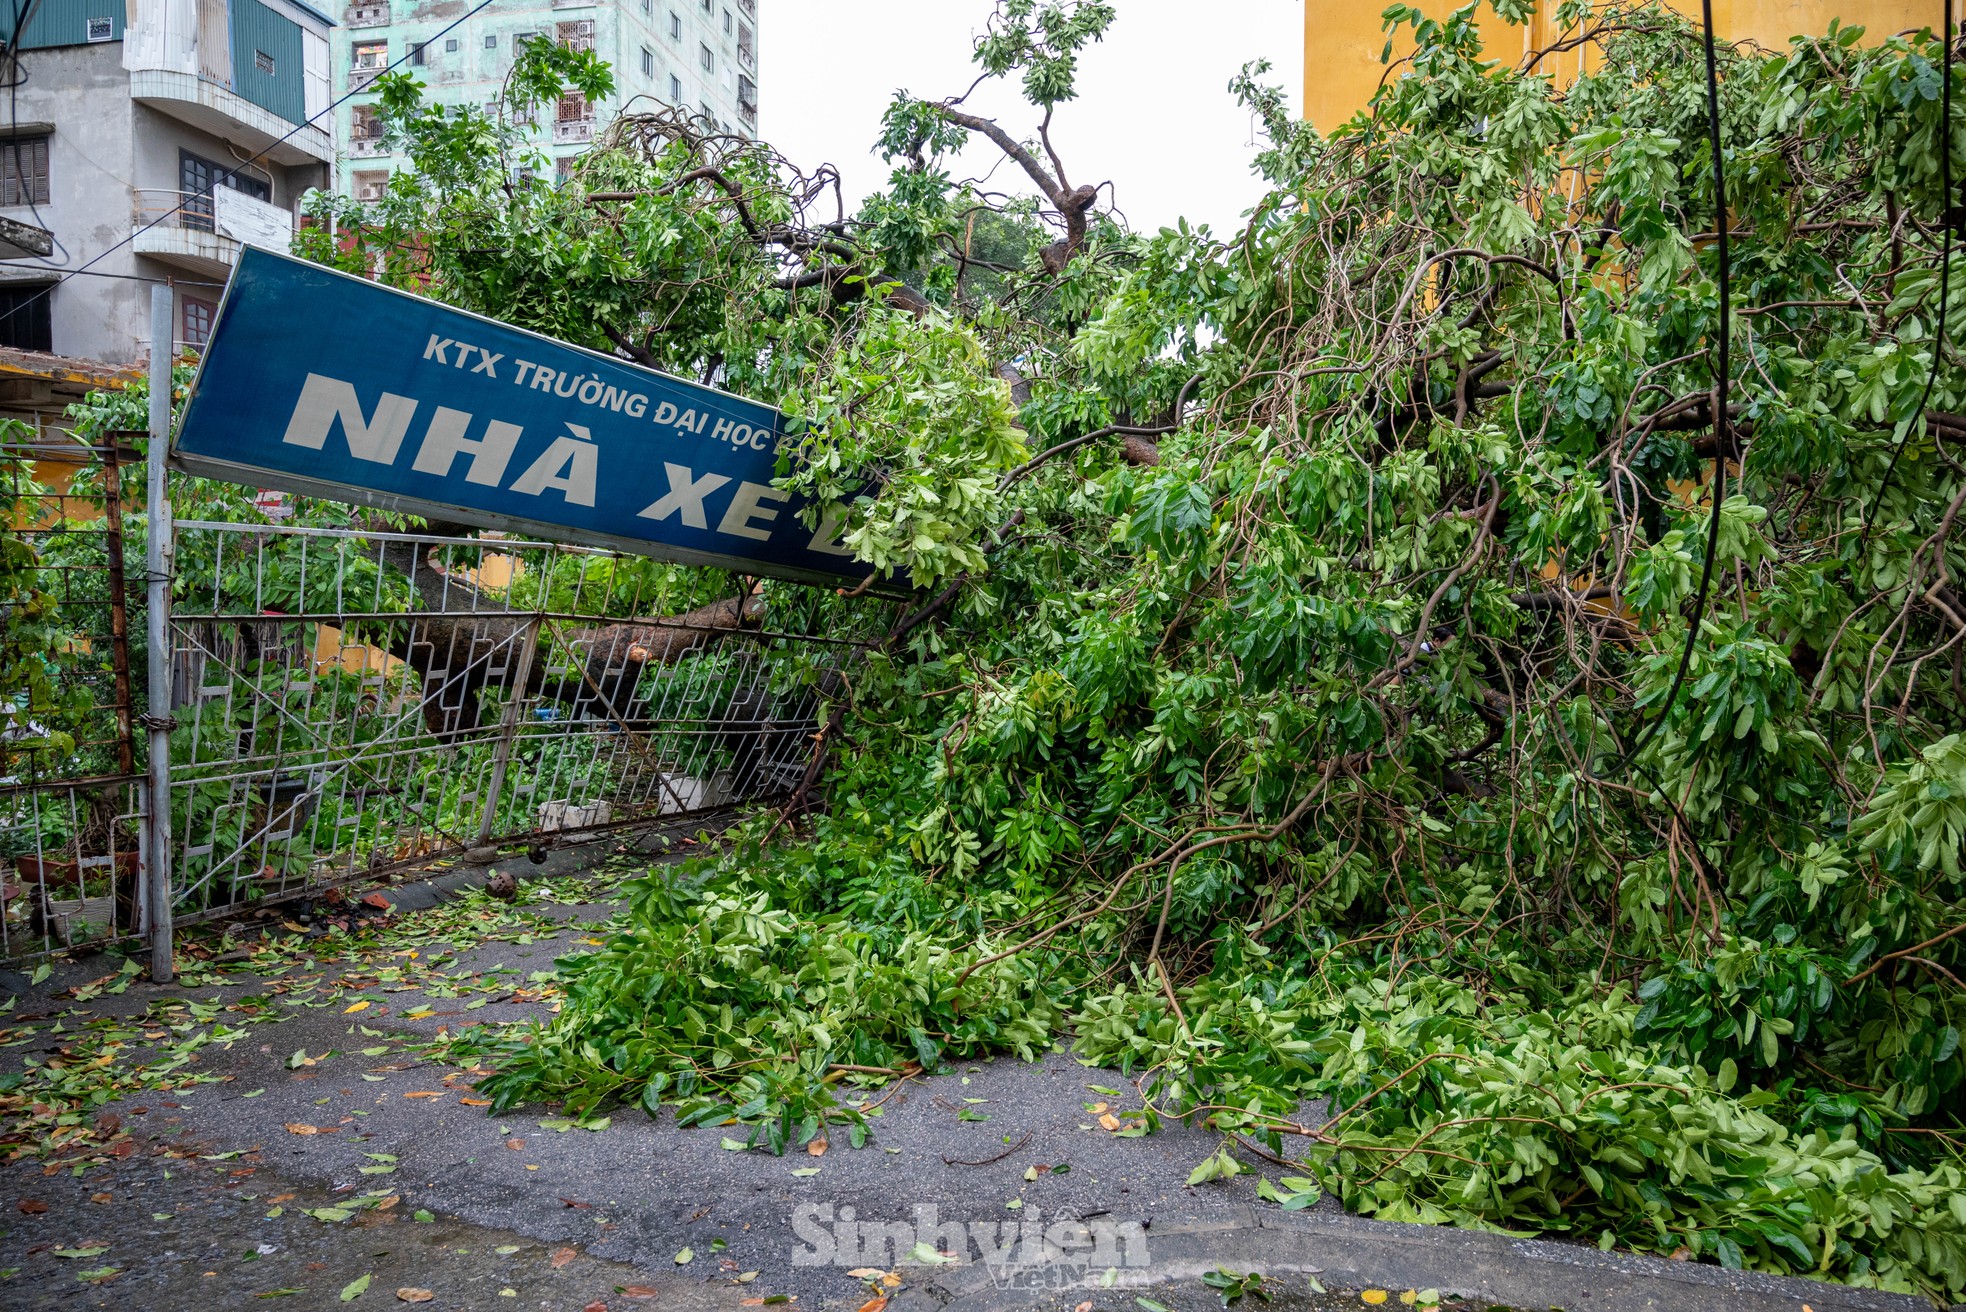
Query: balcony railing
x,y
157,207
359,78
372,15
361,147
573,129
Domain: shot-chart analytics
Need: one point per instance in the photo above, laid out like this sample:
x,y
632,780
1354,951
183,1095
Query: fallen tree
x,y
1518,700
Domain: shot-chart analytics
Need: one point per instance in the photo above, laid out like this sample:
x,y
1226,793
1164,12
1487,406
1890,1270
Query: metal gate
x,y
351,701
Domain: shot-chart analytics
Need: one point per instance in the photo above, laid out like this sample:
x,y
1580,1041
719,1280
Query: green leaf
x,y
355,1288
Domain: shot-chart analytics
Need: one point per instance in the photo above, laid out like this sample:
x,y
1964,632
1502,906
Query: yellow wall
x,y
1342,38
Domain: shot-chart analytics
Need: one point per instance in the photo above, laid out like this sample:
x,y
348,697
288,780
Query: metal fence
x,y
343,702
70,799
348,702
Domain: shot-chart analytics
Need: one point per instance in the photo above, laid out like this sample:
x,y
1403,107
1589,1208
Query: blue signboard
x,y
329,385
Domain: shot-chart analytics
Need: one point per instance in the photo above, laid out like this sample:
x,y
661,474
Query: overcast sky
x,y
1154,115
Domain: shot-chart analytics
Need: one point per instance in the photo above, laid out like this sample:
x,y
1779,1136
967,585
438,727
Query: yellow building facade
x,y
1342,39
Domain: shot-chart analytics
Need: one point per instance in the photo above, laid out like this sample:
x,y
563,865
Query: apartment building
x,y
702,54
151,138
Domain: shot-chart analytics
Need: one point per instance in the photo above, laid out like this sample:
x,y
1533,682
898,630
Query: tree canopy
x,y
1402,652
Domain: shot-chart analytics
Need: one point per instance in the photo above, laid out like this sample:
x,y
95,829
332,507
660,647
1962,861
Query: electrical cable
x,y
1946,219
1722,427
333,105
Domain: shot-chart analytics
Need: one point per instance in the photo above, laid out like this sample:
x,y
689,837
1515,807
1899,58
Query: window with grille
x,y
747,45
577,34
366,126
195,321
370,186
23,171
101,29
198,177
263,62
575,109
27,319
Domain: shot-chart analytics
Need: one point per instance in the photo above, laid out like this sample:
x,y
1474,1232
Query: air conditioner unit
x,y
370,190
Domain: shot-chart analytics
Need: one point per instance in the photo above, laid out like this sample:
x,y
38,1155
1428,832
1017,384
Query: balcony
x,y
360,147
203,232
360,78
215,109
375,15
573,130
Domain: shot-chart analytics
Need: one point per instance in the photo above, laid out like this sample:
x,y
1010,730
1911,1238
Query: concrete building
x,y
150,137
1342,40
699,53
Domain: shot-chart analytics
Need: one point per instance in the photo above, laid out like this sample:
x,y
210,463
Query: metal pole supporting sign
x,y
158,557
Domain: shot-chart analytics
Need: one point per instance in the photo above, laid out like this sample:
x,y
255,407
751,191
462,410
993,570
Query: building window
x,y
648,7
727,22
577,34
197,177
365,129
705,58
195,321
750,7
370,186
675,90
369,56
563,167
416,52
706,6
675,26
519,39
26,321
263,62
101,29
491,40
747,45
648,62
23,171
450,45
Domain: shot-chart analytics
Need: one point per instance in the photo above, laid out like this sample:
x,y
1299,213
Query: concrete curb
x,y
1347,1252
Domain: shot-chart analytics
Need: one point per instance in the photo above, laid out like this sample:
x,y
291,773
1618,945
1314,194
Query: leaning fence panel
x,y
350,701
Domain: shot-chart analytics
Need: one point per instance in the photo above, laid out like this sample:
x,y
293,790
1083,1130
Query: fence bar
x,y
158,559
515,708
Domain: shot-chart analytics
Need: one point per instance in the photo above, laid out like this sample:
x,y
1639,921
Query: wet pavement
x,y
282,1131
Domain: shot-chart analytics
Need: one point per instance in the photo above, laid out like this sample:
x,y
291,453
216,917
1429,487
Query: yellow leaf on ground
x,y
302,1129
409,1295
1372,1296
873,1304
1109,1122
424,1093
475,1102
363,1005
